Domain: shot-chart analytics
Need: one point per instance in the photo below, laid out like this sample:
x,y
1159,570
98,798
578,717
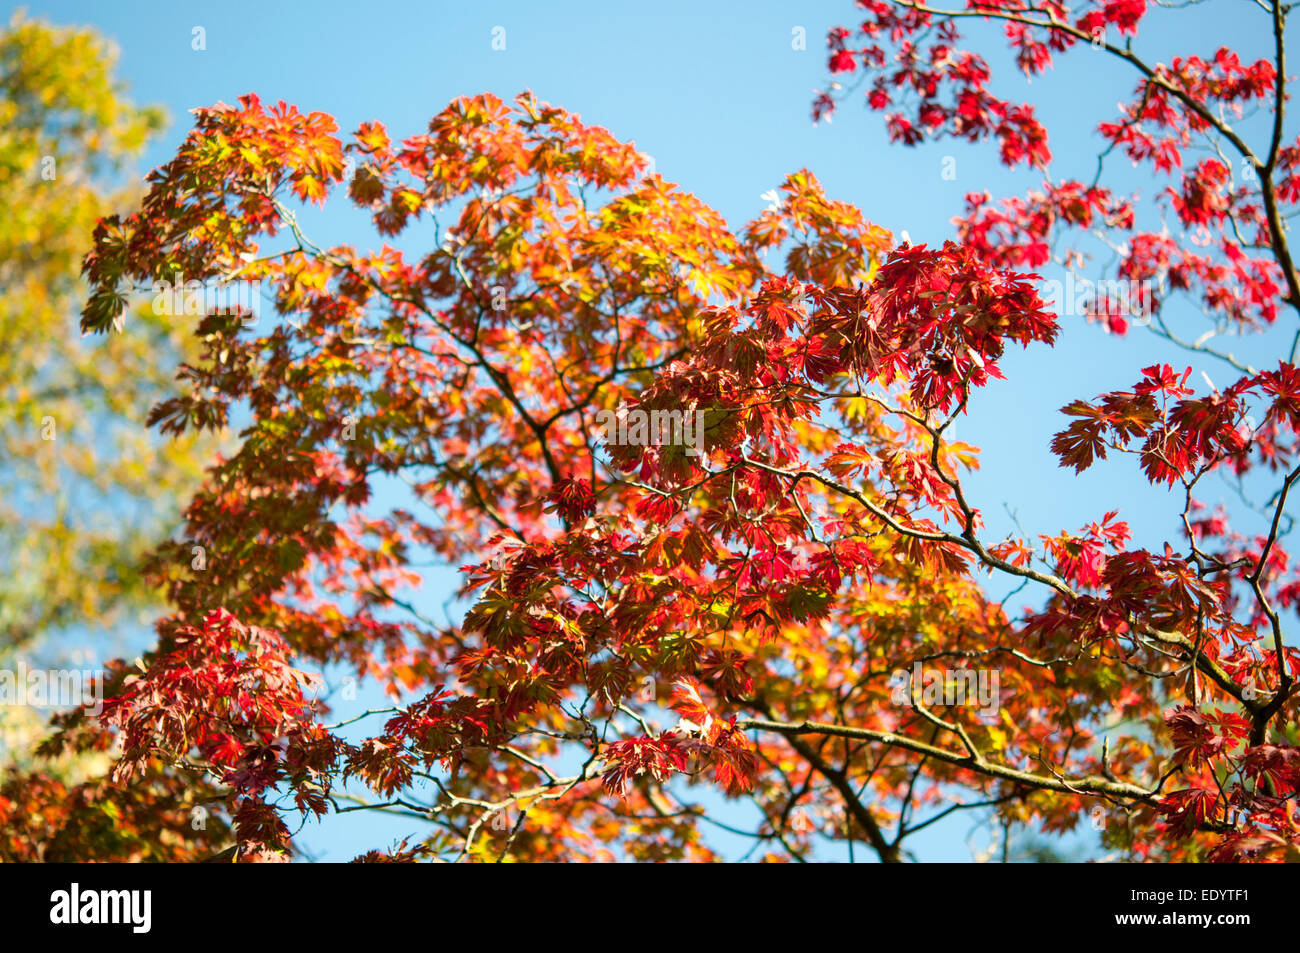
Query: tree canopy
x,y
768,582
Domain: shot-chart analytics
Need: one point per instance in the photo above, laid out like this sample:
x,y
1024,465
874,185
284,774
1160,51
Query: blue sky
x,y
719,95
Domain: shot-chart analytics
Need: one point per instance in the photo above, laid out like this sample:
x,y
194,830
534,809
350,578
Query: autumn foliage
x,y
645,625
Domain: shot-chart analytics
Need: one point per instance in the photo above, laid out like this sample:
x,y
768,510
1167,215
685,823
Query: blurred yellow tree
x,y
84,487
